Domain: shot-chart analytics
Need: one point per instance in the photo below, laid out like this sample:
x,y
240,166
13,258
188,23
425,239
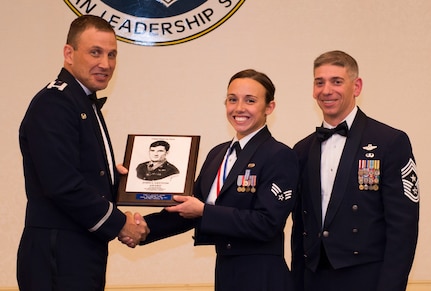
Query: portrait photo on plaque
x,y
160,166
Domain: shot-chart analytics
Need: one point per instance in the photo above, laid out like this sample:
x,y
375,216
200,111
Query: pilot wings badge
x,y
369,147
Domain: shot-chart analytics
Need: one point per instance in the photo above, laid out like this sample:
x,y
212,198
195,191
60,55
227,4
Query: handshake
x,y
134,230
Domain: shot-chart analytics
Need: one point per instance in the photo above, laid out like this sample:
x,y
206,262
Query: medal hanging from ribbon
x,y
369,174
246,182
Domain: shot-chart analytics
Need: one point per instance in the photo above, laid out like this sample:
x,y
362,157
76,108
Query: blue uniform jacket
x,y
67,179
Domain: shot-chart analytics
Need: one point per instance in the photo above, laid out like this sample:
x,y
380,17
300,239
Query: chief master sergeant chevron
x,y
70,178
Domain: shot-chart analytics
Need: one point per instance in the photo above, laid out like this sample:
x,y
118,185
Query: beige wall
x,y
391,39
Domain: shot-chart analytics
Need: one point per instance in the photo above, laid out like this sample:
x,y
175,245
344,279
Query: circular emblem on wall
x,y
159,22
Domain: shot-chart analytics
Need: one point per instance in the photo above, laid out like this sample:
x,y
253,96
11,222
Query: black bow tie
x,y
325,133
97,101
235,147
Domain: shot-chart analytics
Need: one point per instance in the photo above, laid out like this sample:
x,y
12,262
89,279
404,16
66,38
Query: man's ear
x,y
68,54
358,87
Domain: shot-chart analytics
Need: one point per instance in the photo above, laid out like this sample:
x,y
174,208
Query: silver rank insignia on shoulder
x,y
60,85
369,174
246,182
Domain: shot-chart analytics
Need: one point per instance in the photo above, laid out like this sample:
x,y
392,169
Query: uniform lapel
x,y
85,102
211,173
347,164
102,143
314,176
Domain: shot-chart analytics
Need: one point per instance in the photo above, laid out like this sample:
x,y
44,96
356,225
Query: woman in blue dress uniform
x,y
242,197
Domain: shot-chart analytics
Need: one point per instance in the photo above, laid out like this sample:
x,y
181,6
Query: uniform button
x,y
305,212
355,207
102,173
304,233
355,230
325,233
228,246
305,256
356,253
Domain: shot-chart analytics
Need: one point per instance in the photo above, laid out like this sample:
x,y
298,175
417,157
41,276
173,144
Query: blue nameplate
x,y
161,197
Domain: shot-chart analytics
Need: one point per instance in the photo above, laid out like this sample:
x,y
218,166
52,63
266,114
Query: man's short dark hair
x,y
160,143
